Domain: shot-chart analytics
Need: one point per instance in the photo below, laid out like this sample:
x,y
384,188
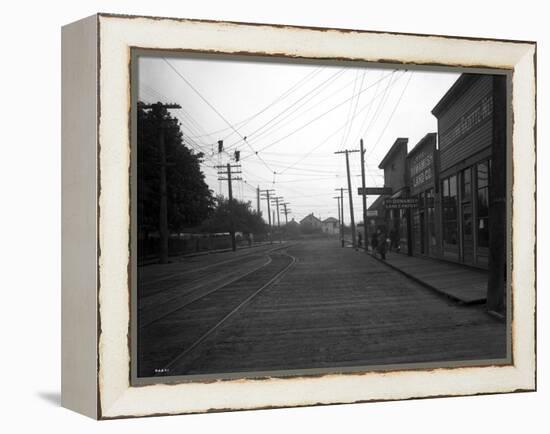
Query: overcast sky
x,y
294,117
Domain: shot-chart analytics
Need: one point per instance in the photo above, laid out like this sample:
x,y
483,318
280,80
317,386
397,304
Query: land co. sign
x,y
422,168
401,203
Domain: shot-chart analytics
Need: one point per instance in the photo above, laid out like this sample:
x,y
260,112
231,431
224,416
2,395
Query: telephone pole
x,y
275,201
164,233
277,205
258,199
364,197
341,203
229,178
350,193
286,211
266,195
339,216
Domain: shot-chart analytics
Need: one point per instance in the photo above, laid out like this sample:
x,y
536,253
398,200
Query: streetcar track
x,y
205,267
245,302
196,288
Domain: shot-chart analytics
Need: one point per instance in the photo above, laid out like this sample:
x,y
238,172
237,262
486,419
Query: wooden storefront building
x,y
459,192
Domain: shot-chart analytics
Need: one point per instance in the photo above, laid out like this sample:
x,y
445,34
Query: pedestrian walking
x,y
359,240
382,244
374,242
394,240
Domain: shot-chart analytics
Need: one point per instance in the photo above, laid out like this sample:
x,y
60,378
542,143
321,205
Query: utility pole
x,y
286,211
258,199
277,205
266,195
350,193
364,197
276,199
339,217
341,203
164,234
228,173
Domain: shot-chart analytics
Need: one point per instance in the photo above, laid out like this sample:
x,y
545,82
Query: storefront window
x,y
466,185
403,230
483,204
450,230
431,217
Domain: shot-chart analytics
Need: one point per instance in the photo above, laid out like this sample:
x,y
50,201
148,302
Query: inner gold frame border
x,y
117,36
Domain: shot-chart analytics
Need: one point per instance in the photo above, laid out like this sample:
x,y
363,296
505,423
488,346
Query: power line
x,y
379,108
312,94
214,109
391,115
349,115
293,88
330,135
314,119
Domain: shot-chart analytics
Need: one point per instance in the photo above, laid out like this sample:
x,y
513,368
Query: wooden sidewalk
x,y
464,284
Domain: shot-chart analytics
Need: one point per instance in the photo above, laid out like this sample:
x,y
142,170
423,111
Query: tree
x,y
189,199
244,218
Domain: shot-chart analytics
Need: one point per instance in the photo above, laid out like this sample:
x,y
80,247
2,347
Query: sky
x,y
288,119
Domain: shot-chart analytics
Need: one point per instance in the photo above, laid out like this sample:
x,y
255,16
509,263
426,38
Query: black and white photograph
x,y
286,217
293,217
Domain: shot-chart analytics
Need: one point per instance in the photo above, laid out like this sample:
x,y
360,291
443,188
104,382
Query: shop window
x,y
482,223
450,208
431,217
466,185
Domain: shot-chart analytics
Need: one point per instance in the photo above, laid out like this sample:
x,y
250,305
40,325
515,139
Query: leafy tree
x,y
245,219
189,199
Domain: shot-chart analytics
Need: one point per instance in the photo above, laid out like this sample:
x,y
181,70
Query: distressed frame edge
x,y
79,218
109,414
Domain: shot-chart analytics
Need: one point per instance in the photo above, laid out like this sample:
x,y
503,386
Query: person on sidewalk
x,y
382,244
393,239
374,242
359,240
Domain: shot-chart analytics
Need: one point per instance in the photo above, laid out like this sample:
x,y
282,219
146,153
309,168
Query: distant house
x,y
293,223
311,223
330,226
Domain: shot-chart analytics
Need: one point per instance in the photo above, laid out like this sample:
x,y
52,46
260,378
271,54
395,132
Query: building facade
x,y
466,147
311,223
457,176
394,165
423,182
330,226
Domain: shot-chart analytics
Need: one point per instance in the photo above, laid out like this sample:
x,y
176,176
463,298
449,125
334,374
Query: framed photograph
x,y
261,216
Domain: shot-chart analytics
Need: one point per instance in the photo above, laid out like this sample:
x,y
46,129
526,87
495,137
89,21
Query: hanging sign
x,y
401,203
374,191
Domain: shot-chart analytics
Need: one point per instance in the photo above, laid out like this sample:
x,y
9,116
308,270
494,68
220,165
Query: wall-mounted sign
x,y
472,119
374,190
422,168
372,213
401,203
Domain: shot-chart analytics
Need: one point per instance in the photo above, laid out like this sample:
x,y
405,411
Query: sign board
x,y
421,169
468,122
374,190
372,213
401,203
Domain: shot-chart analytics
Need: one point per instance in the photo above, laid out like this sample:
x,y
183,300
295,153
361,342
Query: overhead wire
x,y
327,138
391,115
309,122
303,100
215,110
285,94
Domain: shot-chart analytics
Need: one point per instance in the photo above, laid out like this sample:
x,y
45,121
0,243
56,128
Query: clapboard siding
x,y
480,135
473,143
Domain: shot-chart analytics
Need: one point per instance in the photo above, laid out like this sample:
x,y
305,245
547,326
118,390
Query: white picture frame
x,y
96,184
